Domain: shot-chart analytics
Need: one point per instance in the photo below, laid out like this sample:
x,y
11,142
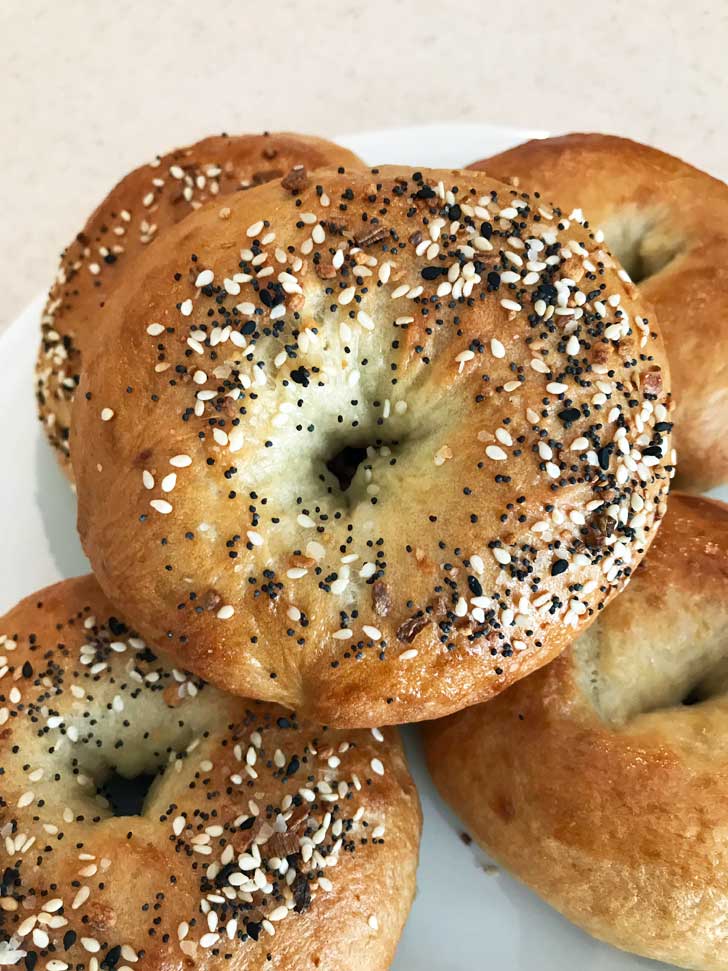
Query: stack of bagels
x,y
355,447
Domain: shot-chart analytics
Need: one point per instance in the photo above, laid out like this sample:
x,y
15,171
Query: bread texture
x,y
600,781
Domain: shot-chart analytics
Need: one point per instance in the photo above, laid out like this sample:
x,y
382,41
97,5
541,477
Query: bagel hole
x,y
126,795
641,244
344,463
694,697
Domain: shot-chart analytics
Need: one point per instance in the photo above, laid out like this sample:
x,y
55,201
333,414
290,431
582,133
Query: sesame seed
x,y
510,305
81,897
346,296
365,320
236,440
204,278
496,453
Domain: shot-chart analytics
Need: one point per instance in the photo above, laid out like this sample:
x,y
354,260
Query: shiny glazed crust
x,y
480,357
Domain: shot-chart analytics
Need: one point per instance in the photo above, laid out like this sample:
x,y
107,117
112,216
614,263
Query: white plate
x,y
463,917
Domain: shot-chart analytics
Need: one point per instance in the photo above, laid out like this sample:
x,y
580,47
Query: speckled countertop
x,y
89,89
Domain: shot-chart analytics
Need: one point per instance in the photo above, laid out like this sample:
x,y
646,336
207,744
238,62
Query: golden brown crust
x,y
668,223
600,781
137,211
518,452
244,792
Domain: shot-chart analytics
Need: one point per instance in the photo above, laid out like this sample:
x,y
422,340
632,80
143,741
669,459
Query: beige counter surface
x,y
90,89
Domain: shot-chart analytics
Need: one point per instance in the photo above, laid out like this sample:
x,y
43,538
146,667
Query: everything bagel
x,y
135,214
373,448
262,842
668,224
601,781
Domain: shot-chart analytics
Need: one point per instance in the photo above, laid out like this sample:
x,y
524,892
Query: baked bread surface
x,y
600,781
373,449
264,841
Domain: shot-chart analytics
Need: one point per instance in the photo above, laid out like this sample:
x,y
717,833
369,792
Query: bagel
x,y
668,224
262,842
342,450
602,780
139,210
